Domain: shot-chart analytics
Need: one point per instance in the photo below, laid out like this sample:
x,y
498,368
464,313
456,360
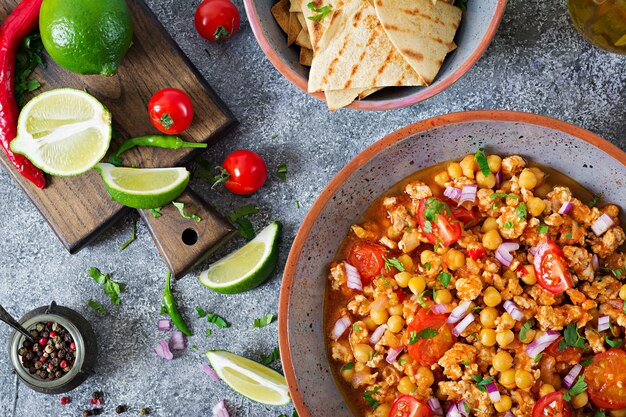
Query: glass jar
x,y
601,22
86,348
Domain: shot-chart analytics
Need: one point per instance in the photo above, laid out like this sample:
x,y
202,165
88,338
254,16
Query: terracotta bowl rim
x,y
366,156
418,96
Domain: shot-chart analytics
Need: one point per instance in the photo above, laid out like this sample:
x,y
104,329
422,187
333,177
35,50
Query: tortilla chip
x,y
302,21
306,57
453,46
295,6
337,99
423,33
303,40
294,29
355,53
280,11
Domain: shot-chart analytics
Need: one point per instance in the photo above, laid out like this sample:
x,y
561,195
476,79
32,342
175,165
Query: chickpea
x,y
618,413
382,410
529,278
361,367
505,187
405,358
507,379
580,400
443,297
546,389
455,259
455,170
469,166
369,323
425,377
506,321
483,181
523,379
527,179
403,278
407,262
528,337
396,310
505,338
417,285
504,404
492,239
502,361
363,352
440,250
405,386
543,190
347,374
494,162
509,275
427,256
379,316
492,297
539,174
442,178
489,224
395,324
488,337
622,292
536,206
488,317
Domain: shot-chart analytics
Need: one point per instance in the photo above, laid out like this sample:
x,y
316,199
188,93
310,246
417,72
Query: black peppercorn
x,y
49,358
97,411
120,409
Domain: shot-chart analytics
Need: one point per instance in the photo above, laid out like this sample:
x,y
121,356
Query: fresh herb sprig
x,y
97,306
111,288
181,210
26,60
266,320
320,13
271,358
133,235
240,217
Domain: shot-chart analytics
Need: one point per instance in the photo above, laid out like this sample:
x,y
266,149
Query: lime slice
x,y
63,132
247,267
145,188
249,378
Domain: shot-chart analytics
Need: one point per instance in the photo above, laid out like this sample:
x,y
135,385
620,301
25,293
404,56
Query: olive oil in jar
x,y
601,22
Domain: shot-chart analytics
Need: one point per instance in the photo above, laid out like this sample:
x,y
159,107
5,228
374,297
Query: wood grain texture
x,y
79,208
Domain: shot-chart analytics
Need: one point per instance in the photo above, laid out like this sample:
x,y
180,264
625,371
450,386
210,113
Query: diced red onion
x,y
604,323
435,406
340,327
453,411
452,193
499,179
509,414
569,379
602,224
162,350
458,329
220,410
459,312
503,253
595,262
164,325
380,303
462,406
533,250
494,394
566,207
393,354
539,345
468,193
513,310
179,342
617,303
206,368
354,278
440,308
378,333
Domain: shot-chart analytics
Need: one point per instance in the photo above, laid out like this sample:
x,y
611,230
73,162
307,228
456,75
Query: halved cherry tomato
x,y
428,351
170,111
476,253
409,406
245,171
445,228
217,20
552,405
606,379
570,354
551,268
367,258
469,218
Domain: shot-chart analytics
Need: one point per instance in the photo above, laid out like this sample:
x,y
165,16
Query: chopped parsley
x,y
595,200
194,347
427,333
599,414
568,236
181,210
444,278
481,160
503,195
465,363
97,306
27,59
624,307
156,212
111,288
297,204
401,361
571,337
538,357
281,171
617,273
347,367
578,388
613,343
356,328
217,320
587,361
525,328
543,229
420,300
133,235
371,401
208,333
508,225
264,321
521,210
240,218
481,382
320,13
269,359
395,263
433,208
427,266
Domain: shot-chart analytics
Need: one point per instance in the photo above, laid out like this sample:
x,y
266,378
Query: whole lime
x,y
86,36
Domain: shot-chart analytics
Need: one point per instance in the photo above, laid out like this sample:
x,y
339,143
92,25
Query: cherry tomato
x,y
469,218
441,227
170,111
409,406
551,268
570,354
552,405
606,379
367,258
246,170
217,20
428,351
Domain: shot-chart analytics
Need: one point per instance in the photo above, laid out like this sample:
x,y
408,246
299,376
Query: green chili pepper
x,y
165,142
172,310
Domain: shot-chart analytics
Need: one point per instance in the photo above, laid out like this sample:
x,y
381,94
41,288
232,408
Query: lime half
x,y
249,378
63,132
247,267
144,188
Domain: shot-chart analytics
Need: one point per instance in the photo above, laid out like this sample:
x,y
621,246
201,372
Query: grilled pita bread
x,y
317,28
306,57
280,11
421,31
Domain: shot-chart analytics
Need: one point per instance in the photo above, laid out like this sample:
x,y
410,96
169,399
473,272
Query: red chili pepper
x,y
23,20
476,253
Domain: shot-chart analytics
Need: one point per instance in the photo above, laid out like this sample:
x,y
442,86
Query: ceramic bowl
x,y
595,163
478,27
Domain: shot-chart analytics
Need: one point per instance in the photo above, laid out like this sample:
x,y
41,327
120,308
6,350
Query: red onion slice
x,y
435,406
207,369
566,207
499,178
509,414
463,324
459,312
569,379
164,325
340,327
494,394
162,350
378,333
463,408
513,310
468,194
604,323
354,278
453,411
179,342
452,193
604,223
595,262
440,308
539,345
393,354
503,253
220,410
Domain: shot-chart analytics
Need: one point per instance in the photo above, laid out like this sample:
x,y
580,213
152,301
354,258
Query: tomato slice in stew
x,y
409,406
569,355
438,223
429,347
469,218
606,379
368,259
551,268
552,405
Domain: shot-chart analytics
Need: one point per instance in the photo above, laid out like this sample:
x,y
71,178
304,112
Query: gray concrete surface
x,y
537,63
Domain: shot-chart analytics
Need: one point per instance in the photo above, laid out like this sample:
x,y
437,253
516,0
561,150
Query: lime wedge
x,y
248,267
63,132
249,378
145,188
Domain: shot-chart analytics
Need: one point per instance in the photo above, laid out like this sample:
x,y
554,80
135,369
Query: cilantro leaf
x,y
111,288
371,401
97,306
26,60
578,388
217,320
543,229
427,266
240,218
208,333
521,210
572,337
427,333
481,382
281,171
264,321
133,235
444,278
538,357
433,208
156,212
393,262
525,328
587,361
201,312
181,210
481,160
347,366
508,225
271,358
613,343
321,13
595,200
599,414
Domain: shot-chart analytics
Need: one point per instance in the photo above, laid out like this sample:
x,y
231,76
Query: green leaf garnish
x,y
356,328
133,235
26,60
97,306
201,312
181,210
240,218
347,366
264,321
156,212
578,388
521,210
208,333
481,160
281,171
269,359
613,343
508,225
395,263
525,328
427,266
587,361
543,229
321,12
217,320
444,278
595,200
481,382
111,288
571,337
371,401
427,333
538,357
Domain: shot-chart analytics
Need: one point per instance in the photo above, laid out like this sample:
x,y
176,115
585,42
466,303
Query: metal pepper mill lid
x,y
86,348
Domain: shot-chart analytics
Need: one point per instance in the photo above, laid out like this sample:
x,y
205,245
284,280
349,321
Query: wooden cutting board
x,y
79,208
